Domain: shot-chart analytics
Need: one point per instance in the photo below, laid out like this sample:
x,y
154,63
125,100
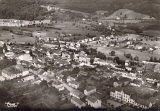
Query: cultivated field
x,y
155,33
6,35
69,28
153,43
120,52
66,27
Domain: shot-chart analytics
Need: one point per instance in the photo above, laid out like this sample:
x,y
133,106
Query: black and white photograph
x,y
79,55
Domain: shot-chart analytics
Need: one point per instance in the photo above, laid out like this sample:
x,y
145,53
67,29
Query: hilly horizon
x,y
128,14
14,8
151,8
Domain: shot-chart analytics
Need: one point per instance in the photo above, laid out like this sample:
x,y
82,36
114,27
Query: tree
x,y
101,56
5,47
128,55
30,52
136,58
91,60
117,60
125,16
151,59
112,53
155,59
1,50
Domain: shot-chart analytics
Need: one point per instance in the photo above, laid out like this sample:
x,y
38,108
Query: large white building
x,y
129,96
14,72
25,57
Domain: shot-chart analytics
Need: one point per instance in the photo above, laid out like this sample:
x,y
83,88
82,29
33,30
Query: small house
x,y
136,82
71,78
77,102
90,90
65,55
74,84
58,85
143,103
93,102
123,81
83,73
28,78
76,93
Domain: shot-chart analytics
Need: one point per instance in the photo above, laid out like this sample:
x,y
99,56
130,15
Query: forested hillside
x,y
22,9
30,9
148,7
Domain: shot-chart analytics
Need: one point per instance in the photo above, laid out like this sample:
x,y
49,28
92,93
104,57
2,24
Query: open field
x,y
155,33
120,52
152,43
6,35
128,14
67,27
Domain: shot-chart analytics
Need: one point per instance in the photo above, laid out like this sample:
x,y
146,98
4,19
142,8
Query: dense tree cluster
x,y
101,55
22,9
119,61
93,53
29,9
129,56
154,59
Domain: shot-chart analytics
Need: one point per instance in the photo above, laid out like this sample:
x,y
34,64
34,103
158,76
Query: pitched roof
x,y
143,102
153,100
118,88
101,11
56,83
139,68
92,99
123,79
74,82
40,71
32,67
90,88
139,91
83,73
128,90
135,81
77,93
72,77
150,66
78,101
11,70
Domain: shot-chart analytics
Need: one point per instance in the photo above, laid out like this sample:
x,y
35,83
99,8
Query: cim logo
x,y
11,105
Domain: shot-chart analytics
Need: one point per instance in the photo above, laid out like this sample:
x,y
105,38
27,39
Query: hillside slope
x,y
148,7
128,14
